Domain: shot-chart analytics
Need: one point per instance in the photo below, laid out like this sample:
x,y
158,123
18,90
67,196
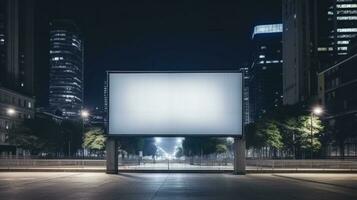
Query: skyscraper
x,y
246,111
299,50
338,30
265,81
17,45
343,14
338,74
317,34
2,41
106,102
66,68
16,66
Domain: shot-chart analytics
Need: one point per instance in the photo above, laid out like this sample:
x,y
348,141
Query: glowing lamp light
x,y
10,111
317,110
84,113
157,140
230,139
179,140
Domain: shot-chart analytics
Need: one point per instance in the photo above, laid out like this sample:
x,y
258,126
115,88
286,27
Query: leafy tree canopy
x,y
94,139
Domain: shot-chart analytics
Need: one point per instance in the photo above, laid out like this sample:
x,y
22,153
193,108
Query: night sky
x,y
152,34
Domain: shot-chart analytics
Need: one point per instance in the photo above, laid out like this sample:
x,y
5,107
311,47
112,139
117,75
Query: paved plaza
x,y
136,186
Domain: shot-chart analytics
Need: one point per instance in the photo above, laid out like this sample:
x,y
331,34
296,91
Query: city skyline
x,y
125,37
281,59
183,99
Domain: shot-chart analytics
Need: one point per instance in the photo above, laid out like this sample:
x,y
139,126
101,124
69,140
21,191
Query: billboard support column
x,y
239,156
112,155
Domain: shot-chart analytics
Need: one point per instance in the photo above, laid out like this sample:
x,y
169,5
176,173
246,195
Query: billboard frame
x,y
174,72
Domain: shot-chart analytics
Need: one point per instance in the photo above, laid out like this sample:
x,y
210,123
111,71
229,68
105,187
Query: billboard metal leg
x,y
239,156
112,156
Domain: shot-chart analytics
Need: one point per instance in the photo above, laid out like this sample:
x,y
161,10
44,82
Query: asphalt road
x,y
137,186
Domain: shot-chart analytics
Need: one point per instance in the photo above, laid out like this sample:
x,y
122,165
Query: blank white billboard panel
x,y
175,104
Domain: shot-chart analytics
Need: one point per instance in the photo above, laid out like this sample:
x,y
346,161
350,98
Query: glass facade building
x,y
338,33
66,69
343,14
265,80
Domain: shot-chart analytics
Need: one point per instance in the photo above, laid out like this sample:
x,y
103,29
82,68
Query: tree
x,y
271,135
73,135
194,146
209,145
221,148
310,128
253,139
264,133
289,129
94,139
150,148
45,135
49,132
298,135
179,152
22,136
41,135
131,145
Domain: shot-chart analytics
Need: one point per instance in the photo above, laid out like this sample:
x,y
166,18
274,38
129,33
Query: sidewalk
x,y
201,169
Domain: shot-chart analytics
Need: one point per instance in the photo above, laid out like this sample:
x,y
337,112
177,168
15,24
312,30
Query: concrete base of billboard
x,y
239,156
112,156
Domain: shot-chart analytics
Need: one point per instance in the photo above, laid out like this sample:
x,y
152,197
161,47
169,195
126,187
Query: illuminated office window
x,y
270,28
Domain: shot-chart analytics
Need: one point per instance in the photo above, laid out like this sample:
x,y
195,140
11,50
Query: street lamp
x,y
157,140
179,140
316,111
10,111
230,140
84,116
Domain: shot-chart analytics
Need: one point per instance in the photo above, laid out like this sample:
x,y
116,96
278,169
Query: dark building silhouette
x,y
16,67
265,81
246,110
66,68
17,45
337,93
300,44
317,34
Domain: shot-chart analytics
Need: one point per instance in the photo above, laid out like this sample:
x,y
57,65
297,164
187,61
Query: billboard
x,y
175,103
